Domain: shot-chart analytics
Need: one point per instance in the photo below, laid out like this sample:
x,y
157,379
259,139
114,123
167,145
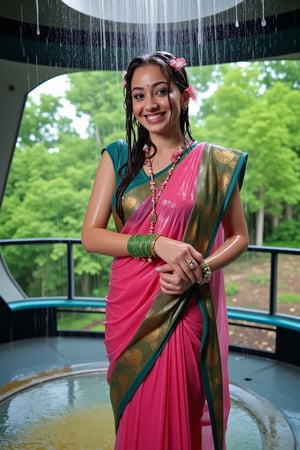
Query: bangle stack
x,y
142,245
206,273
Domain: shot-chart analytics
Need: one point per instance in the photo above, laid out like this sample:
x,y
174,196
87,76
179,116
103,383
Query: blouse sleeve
x,y
117,151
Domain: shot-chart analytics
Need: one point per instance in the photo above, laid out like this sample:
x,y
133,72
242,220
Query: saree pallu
x,y
168,355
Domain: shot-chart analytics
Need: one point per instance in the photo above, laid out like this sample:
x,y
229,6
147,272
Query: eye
x,y
137,97
162,92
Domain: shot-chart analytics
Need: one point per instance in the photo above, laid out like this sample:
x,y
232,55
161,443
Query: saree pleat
x,y
158,377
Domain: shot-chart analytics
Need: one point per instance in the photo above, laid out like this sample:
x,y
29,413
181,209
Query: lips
x,y
154,117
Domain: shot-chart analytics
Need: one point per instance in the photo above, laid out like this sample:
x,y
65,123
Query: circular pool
x,y
68,411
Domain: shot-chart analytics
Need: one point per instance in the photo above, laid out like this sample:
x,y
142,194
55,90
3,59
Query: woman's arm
x,y
236,233
95,237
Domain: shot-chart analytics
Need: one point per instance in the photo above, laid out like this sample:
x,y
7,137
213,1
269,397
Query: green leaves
x,y
253,107
256,108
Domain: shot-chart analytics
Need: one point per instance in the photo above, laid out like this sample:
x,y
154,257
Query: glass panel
x,y
288,285
92,272
87,319
39,269
252,336
247,281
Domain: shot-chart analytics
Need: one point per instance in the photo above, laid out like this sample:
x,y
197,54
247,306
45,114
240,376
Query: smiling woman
x,y
171,199
43,39
157,107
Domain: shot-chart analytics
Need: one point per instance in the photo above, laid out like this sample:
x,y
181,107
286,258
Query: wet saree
x,y
168,355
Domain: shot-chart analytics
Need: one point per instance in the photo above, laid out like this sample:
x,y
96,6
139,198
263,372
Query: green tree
x,y
253,107
100,96
47,194
261,119
273,171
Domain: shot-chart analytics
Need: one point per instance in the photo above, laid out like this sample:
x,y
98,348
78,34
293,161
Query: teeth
x,y
155,116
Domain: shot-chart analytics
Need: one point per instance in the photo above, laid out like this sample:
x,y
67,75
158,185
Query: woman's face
x,y
152,100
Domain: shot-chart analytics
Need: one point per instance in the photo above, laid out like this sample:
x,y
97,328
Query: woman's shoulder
x,y
118,151
120,145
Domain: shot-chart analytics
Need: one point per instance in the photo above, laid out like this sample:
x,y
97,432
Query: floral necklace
x,y
157,191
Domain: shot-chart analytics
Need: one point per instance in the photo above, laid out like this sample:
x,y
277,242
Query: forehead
x,y
147,75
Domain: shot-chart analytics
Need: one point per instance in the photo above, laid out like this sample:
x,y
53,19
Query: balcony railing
x,y
249,315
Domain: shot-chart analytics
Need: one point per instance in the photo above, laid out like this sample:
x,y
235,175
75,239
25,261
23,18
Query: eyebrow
x,y
153,85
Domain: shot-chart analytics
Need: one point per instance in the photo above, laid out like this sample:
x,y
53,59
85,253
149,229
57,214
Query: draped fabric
x,y
167,354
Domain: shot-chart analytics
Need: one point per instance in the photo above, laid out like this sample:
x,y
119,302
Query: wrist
x,y
153,244
206,273
142,245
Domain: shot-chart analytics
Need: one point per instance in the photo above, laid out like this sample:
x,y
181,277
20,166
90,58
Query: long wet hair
x,y
137,135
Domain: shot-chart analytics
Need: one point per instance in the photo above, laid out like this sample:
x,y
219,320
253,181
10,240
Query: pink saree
x,y
168,355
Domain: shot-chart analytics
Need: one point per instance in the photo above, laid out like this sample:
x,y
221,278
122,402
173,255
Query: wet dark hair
x,y
137,135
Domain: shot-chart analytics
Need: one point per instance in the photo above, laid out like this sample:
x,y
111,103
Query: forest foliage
x,y
254,107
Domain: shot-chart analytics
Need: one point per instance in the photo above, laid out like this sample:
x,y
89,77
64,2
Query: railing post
x,y
273,283
71,283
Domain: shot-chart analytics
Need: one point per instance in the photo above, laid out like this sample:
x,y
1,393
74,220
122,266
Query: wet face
x,y
156,106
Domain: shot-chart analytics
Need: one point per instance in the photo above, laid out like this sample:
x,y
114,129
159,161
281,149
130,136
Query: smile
x,y
154,116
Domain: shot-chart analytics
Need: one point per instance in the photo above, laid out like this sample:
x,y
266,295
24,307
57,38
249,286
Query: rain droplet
x,y
38,31
263,20
236,16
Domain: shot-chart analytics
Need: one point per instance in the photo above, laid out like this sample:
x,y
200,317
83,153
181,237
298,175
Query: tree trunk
x,y
289,212
275,222
85,285
97,136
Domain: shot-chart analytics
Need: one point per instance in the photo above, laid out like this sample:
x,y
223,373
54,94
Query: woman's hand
x,y
171,283
182,261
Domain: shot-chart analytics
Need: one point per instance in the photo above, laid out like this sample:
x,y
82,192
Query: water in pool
x,y
74,413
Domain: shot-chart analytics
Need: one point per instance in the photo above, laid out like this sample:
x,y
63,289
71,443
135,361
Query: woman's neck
x,y
167,145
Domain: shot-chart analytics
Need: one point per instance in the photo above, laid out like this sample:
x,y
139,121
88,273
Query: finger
x,y
197,256
192,264
170,289
164,268
191,273
166,287
169,268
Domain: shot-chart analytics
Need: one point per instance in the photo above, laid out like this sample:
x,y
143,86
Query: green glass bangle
x,y
142,245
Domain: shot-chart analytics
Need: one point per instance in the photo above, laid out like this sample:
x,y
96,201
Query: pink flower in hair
x,y
191,92
177,64
124,82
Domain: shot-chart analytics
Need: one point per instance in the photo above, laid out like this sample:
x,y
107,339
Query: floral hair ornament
x,y
124,82
191,92
177,64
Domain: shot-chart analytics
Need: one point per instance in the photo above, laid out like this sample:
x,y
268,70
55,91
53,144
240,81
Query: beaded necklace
x,y
155,192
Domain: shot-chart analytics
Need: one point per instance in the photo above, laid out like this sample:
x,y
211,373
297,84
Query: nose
x,y
150,103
